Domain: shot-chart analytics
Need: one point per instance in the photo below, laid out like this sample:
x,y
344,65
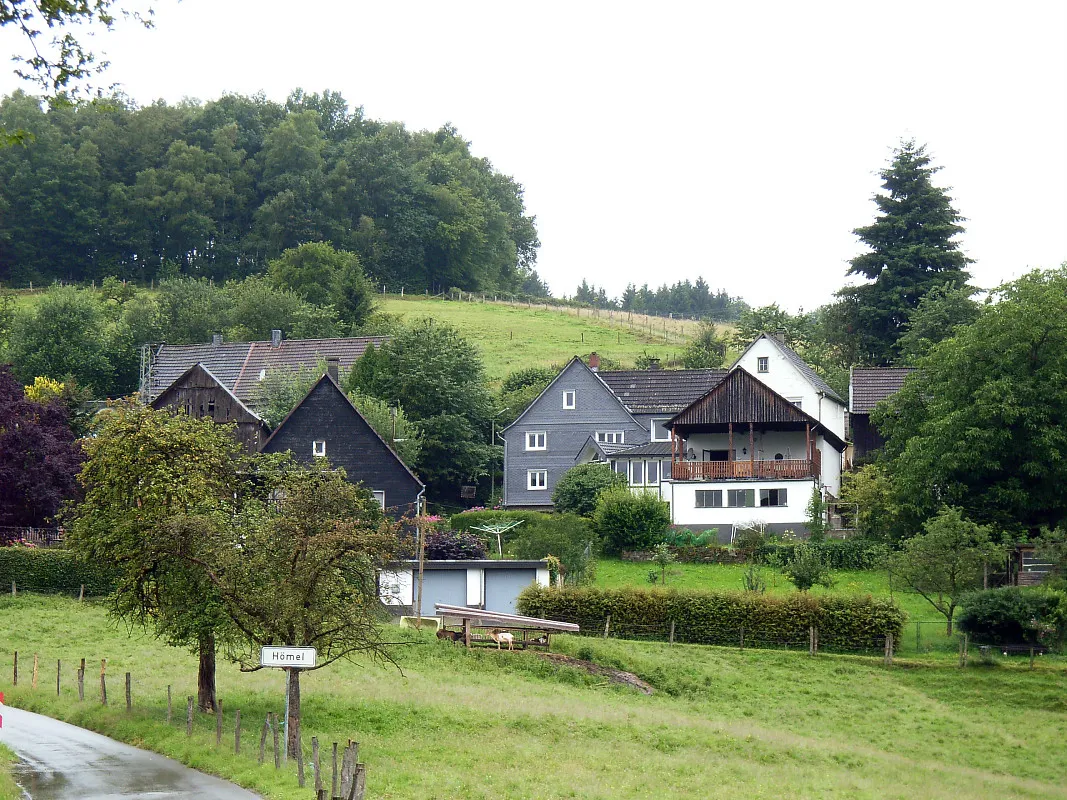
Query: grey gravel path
x,y
58,761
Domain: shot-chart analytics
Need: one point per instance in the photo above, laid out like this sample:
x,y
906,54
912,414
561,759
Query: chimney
x,y
653,363
216,339
275,338
594,362
333,369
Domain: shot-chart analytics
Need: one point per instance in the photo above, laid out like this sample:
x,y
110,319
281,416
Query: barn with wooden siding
x,y
325,424
200,394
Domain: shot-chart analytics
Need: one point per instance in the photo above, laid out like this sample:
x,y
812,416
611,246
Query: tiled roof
x,y
660,391
238,365
803,366
871,385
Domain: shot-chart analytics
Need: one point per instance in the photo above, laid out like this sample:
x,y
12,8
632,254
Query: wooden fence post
x,y
15,670
170,706
672,633
103,682
263,738
189,716
277,754
888,650
811,641
918,637
81,594
360,781
333,780
299,764
607,626
742,638
1031,659
14,590
59,667
237,733
33,682
218,723
129,697
81,683
315,766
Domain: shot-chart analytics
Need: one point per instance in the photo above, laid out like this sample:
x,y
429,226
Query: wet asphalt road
x,y
58,761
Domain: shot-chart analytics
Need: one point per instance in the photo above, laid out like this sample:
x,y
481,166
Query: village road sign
x,y
291,657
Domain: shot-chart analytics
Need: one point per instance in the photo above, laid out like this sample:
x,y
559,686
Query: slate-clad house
x,y
867,387
723,447
240,366
325,424
201,394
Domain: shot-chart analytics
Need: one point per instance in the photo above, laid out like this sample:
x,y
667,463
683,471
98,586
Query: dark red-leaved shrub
x,y
442,545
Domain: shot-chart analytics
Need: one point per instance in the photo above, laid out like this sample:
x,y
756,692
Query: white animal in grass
x,y
500,636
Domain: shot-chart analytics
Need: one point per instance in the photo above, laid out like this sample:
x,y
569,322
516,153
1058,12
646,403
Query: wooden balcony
x,y
781,469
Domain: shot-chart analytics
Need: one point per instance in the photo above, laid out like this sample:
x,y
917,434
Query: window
x,y
667,469
536,440
537,479
569,398
762,364
619,466
610,437
652,472
262,374
380,497
740,498
318,448
772,497
709,498
637,473
797,401
659,431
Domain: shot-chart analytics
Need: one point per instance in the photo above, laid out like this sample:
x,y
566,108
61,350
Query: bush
x,y
40,570
568,537
686,538
466,520
1012,615
856,554
807,568
450,545
628,521
717,617
578,488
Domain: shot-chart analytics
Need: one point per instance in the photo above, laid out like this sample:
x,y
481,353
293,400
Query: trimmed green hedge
x,y
842,622
51,570
465,519
855,554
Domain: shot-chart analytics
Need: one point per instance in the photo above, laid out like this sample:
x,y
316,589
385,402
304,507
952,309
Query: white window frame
x,y
765,494
715,495
797,401
316,451
652,429
573,393
633,464
379,495
533,435
533,483
611,437
763,364
659,469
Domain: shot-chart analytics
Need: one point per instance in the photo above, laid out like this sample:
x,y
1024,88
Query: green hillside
x,y
513,336
487,724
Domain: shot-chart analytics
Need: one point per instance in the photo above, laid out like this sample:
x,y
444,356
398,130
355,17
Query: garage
x,y
502,587
443,586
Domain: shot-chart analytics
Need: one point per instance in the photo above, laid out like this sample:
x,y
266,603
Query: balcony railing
x,y
742,470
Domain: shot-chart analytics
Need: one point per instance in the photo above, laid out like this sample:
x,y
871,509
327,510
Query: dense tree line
x,y
216,190
682,299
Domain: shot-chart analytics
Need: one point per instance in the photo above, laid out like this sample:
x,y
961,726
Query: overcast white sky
x,y
662,141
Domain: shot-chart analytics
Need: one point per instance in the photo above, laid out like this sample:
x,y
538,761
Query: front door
x,y
716,455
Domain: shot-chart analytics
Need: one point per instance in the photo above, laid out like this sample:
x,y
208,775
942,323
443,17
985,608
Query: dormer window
x,y
762,364
569,398
262,374
318,448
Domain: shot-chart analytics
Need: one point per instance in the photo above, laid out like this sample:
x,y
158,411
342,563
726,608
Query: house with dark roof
x,y
200,394
867,387
240,366
770,424
325,424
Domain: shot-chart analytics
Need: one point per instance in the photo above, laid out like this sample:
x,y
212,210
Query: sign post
x,y
288,658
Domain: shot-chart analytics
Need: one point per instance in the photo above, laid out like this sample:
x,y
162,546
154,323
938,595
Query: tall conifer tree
x,y
912,250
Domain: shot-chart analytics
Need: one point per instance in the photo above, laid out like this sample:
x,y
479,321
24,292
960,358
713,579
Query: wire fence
x,y
33,537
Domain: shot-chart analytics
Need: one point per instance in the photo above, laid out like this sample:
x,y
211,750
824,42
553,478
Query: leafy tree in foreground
x,y
939,313
629,521
807,568
302,571
146,475
980,425
579,486
707,350
947,560
911,251
39,458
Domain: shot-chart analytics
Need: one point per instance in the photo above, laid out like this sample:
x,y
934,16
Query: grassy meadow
x,y
488,724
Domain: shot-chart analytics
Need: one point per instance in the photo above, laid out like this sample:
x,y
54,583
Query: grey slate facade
x,y
327,416
596,408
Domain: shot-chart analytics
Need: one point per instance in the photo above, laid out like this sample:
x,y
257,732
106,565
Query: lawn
x,y
490,724
514,336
